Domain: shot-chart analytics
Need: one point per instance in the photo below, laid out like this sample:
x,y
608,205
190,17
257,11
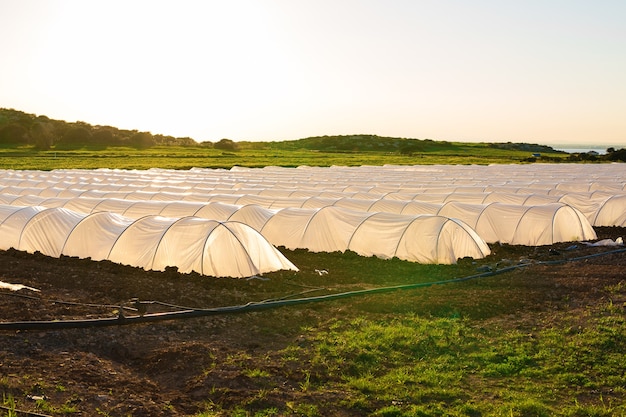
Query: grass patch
x,y
173,157
391,361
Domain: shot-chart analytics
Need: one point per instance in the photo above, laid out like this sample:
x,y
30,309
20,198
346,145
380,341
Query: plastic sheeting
x,y
424,239
521,204
523,225
596,190
494,222
209,247
420,238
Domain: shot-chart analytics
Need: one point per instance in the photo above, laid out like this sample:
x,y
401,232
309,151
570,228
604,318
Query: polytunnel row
x,y
600,208
594,189
64,189
294,186
416,238
495,222
585,178
209,247
371,210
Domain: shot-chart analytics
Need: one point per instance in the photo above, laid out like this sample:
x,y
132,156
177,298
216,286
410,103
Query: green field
x,y
28,141
170,157
503,345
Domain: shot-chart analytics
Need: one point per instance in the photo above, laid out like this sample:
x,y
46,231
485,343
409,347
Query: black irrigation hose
x,y
263,305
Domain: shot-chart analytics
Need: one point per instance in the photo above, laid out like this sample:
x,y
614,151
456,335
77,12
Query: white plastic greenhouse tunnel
x,y
421,238
209,247
424,239
294,227
433,214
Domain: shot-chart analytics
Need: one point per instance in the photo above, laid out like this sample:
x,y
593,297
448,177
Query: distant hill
x,y
360,143
365,143
18,128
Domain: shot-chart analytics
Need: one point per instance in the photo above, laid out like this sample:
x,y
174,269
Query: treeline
x,y
403,146
18,128
527,147
612,154
364,143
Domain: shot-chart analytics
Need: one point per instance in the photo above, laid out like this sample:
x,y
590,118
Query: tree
x,y
13,134
41,134
617,155
226,145
141,140
104,137
75,137
186,141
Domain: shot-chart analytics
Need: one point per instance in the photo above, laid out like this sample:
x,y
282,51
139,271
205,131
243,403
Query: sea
x,y
582,149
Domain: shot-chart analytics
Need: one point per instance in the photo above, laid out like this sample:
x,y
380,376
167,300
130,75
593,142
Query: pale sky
x,y
540,71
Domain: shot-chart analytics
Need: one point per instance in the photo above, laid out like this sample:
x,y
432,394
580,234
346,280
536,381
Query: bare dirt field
x,y
178,367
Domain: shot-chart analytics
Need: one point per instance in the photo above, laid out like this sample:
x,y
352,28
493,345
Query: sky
x,y
538,71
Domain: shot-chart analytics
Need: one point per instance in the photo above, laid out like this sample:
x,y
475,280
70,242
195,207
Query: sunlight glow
x,y
279,69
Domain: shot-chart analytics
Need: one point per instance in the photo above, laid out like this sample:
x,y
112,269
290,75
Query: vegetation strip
x,y
34,142
263,305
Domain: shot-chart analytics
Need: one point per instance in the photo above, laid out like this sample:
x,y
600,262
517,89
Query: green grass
x,y
8,406
409,365
168,157
407,354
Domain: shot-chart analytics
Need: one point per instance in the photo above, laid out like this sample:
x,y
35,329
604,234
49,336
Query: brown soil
x,y
180,367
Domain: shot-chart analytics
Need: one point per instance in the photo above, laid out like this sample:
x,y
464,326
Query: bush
x,y
141,140
226,145
75,137
13,134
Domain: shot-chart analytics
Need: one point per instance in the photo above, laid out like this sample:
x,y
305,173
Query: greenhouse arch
x,y
372,210
151,242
